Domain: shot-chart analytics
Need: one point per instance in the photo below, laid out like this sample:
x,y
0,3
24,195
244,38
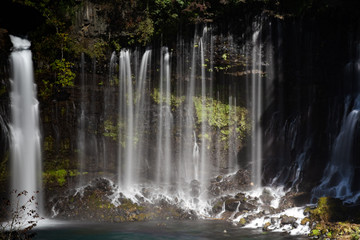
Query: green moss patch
x,y
332,219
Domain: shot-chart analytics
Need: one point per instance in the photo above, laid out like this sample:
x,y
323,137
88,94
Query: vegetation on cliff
x,y
333,219
96,27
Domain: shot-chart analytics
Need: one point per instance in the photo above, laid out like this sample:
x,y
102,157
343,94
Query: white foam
x,y
19,43
297,212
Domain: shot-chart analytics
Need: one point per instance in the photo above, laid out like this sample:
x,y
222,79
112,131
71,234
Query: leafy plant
x,y
23,216
58,176
111,130
145,30
175,101
228,119
64,75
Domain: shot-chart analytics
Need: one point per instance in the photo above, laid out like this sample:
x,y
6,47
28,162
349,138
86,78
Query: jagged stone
x,y
287,220
231,204
246,206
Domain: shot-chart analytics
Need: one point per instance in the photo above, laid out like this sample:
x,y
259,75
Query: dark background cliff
x,y
312,40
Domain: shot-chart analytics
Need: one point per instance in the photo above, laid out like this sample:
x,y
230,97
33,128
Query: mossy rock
x,y
242,221
217,206
315,233
304,221
333,210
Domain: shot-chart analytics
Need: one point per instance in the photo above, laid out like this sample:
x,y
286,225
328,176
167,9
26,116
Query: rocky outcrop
x,y
5,47
331,218
90,20
99,202
240,181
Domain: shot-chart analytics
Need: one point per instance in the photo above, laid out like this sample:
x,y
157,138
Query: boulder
x,y
245,206
285,220
231,204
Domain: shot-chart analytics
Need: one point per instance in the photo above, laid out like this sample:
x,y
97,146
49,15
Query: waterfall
x,y
256,108
81,123
338,176
171,133
165,123
203,167
133,118
341,172
25,134
126,118
109,102
141,114
189,145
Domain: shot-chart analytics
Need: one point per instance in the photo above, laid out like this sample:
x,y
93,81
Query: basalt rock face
x,y
91,20
304,118
5,46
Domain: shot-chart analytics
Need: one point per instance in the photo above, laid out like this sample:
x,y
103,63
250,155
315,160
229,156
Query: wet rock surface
x,y
333,219
95,202
221,185
99,201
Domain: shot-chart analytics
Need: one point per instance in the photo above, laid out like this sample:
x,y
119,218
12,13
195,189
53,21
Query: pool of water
x,y
180,230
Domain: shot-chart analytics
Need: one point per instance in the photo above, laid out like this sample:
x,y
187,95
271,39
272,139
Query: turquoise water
x,y
183,230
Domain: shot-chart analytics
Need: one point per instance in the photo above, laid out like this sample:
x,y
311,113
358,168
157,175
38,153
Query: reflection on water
x,y
153,230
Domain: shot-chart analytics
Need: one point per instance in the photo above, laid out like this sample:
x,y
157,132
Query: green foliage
x,y
74,173
117,132
111,130
145,30
100,49
55,176
229,120
95,49
175,101
116,45
48,143
166,14
355,236
59,177
222,116
52,43
64,75
315,232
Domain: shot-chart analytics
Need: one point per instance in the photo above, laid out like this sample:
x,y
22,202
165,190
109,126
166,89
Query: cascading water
x,y
141,113
25,134
81,123
126,131
338,176
183,167
165,123
109,102
132,119
341,172
172,134
256,108
203,167
189,147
